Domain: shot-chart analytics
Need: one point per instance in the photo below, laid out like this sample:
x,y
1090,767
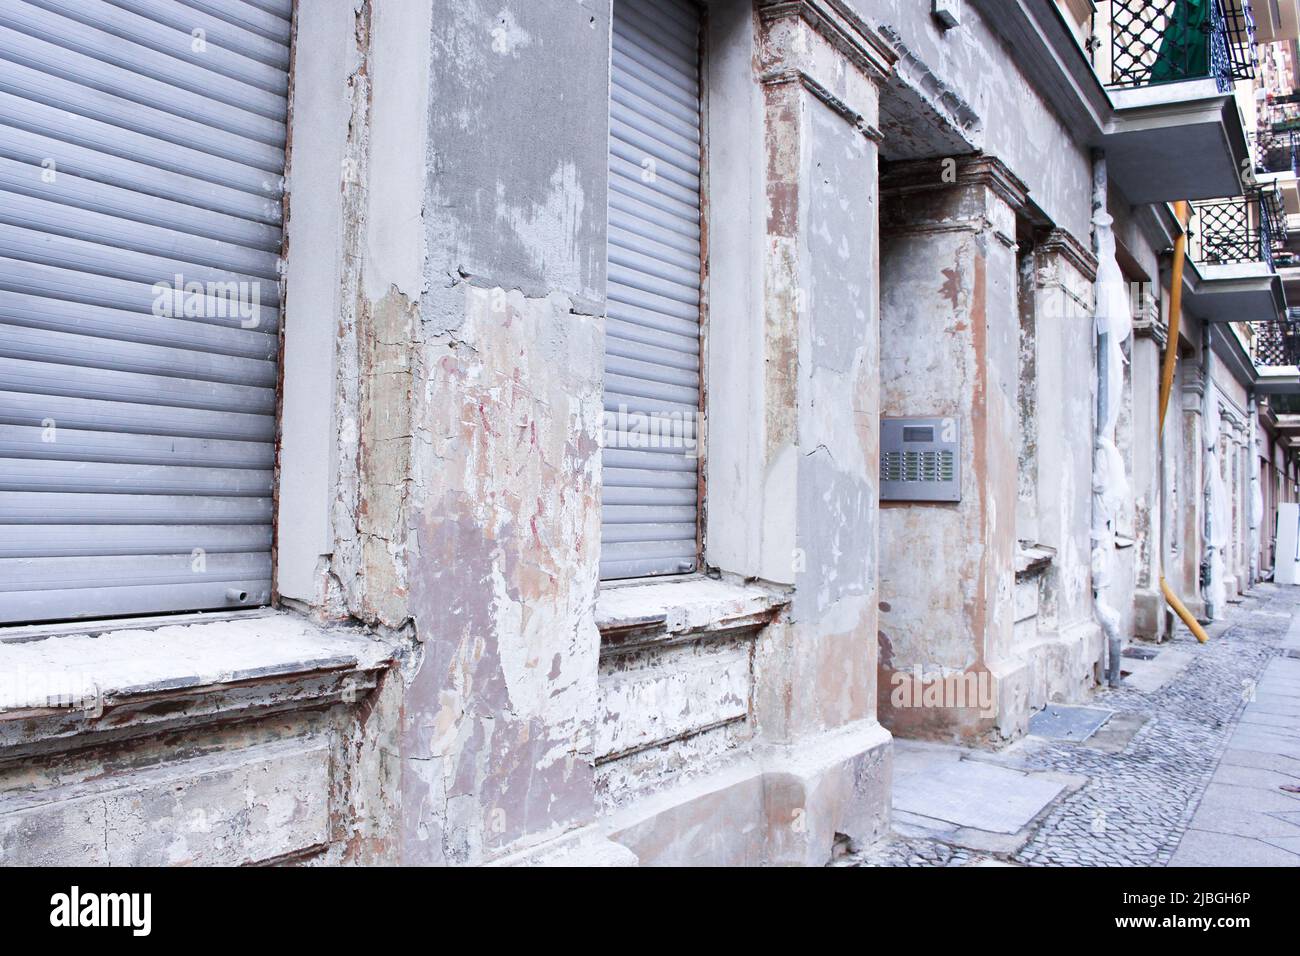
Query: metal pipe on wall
x,y
1105,481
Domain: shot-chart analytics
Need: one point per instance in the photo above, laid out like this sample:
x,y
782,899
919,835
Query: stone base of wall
x,y
1058,667
1062,666
1055,667
1150,616
224,743
775,806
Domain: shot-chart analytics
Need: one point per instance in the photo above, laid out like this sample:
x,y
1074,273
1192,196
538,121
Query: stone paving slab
x,y
937,783
1244,822
1252,776
1201,848
1151,675
1253,758
1065,722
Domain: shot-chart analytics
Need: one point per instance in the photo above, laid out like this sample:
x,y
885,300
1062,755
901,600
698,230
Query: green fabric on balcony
x,y
1185,49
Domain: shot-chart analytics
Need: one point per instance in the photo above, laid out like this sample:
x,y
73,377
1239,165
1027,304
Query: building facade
x,y
591,431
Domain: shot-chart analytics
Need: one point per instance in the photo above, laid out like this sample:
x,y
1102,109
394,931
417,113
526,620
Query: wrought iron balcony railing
x,y
1277,138
1249,228
1166,41
1278,343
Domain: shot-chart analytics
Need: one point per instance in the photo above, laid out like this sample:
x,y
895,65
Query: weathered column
x,y
815,673
1065,639
1241,499
1150,335
1189,527
949,331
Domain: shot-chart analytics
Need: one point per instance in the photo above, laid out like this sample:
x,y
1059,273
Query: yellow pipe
x,y
1180,609
1175,314
1166,386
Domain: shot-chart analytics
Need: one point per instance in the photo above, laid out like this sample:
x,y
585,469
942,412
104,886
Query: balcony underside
x,y
1175,141
1283,380
1242,292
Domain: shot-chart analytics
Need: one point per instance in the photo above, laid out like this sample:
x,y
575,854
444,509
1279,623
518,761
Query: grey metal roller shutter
x,y
652,344
141,149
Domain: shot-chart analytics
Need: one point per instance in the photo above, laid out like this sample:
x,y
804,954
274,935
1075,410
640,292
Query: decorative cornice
x,y
976,170
841,28
833,102
1059,242
1157,332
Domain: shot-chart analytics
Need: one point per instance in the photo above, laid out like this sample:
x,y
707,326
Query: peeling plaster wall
x,y
838,454
522,88
1066,410
1233,401
503,514
820,311
1185,416
1061,642
210,742
468,362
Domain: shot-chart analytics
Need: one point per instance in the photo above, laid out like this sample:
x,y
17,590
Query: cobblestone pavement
x,y
1136,803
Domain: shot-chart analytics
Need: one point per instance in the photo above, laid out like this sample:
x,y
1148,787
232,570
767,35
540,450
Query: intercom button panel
x,y
920,459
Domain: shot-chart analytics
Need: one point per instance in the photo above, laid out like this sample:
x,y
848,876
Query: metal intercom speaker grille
x,y
917,466
652,344
141,164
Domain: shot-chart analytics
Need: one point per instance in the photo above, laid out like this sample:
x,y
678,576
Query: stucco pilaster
x,y
949,348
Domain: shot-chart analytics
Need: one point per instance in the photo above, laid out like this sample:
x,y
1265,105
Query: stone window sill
x,y
1033,560
658,612
162,674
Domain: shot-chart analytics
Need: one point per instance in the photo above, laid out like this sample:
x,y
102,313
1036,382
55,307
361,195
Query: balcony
x,y
1233,245
1242,229
1142,81
1277,344
1277,138
1171,41
1277,360
1169,67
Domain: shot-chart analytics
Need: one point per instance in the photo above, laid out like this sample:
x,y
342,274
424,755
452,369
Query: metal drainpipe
x,y
1102,542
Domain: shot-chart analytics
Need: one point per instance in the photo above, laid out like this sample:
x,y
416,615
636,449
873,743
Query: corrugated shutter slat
x,y
649,518
137,422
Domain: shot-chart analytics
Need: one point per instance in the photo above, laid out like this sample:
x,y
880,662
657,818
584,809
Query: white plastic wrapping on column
x,y
1113,324
1255,516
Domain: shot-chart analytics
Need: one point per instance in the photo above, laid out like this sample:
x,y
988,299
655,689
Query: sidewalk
x,y
1183,764
1246,817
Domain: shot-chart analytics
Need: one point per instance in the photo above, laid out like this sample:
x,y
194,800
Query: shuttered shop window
x,y
141,155
652,345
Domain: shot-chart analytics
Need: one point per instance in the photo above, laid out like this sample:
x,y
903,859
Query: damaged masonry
x,y
630,432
